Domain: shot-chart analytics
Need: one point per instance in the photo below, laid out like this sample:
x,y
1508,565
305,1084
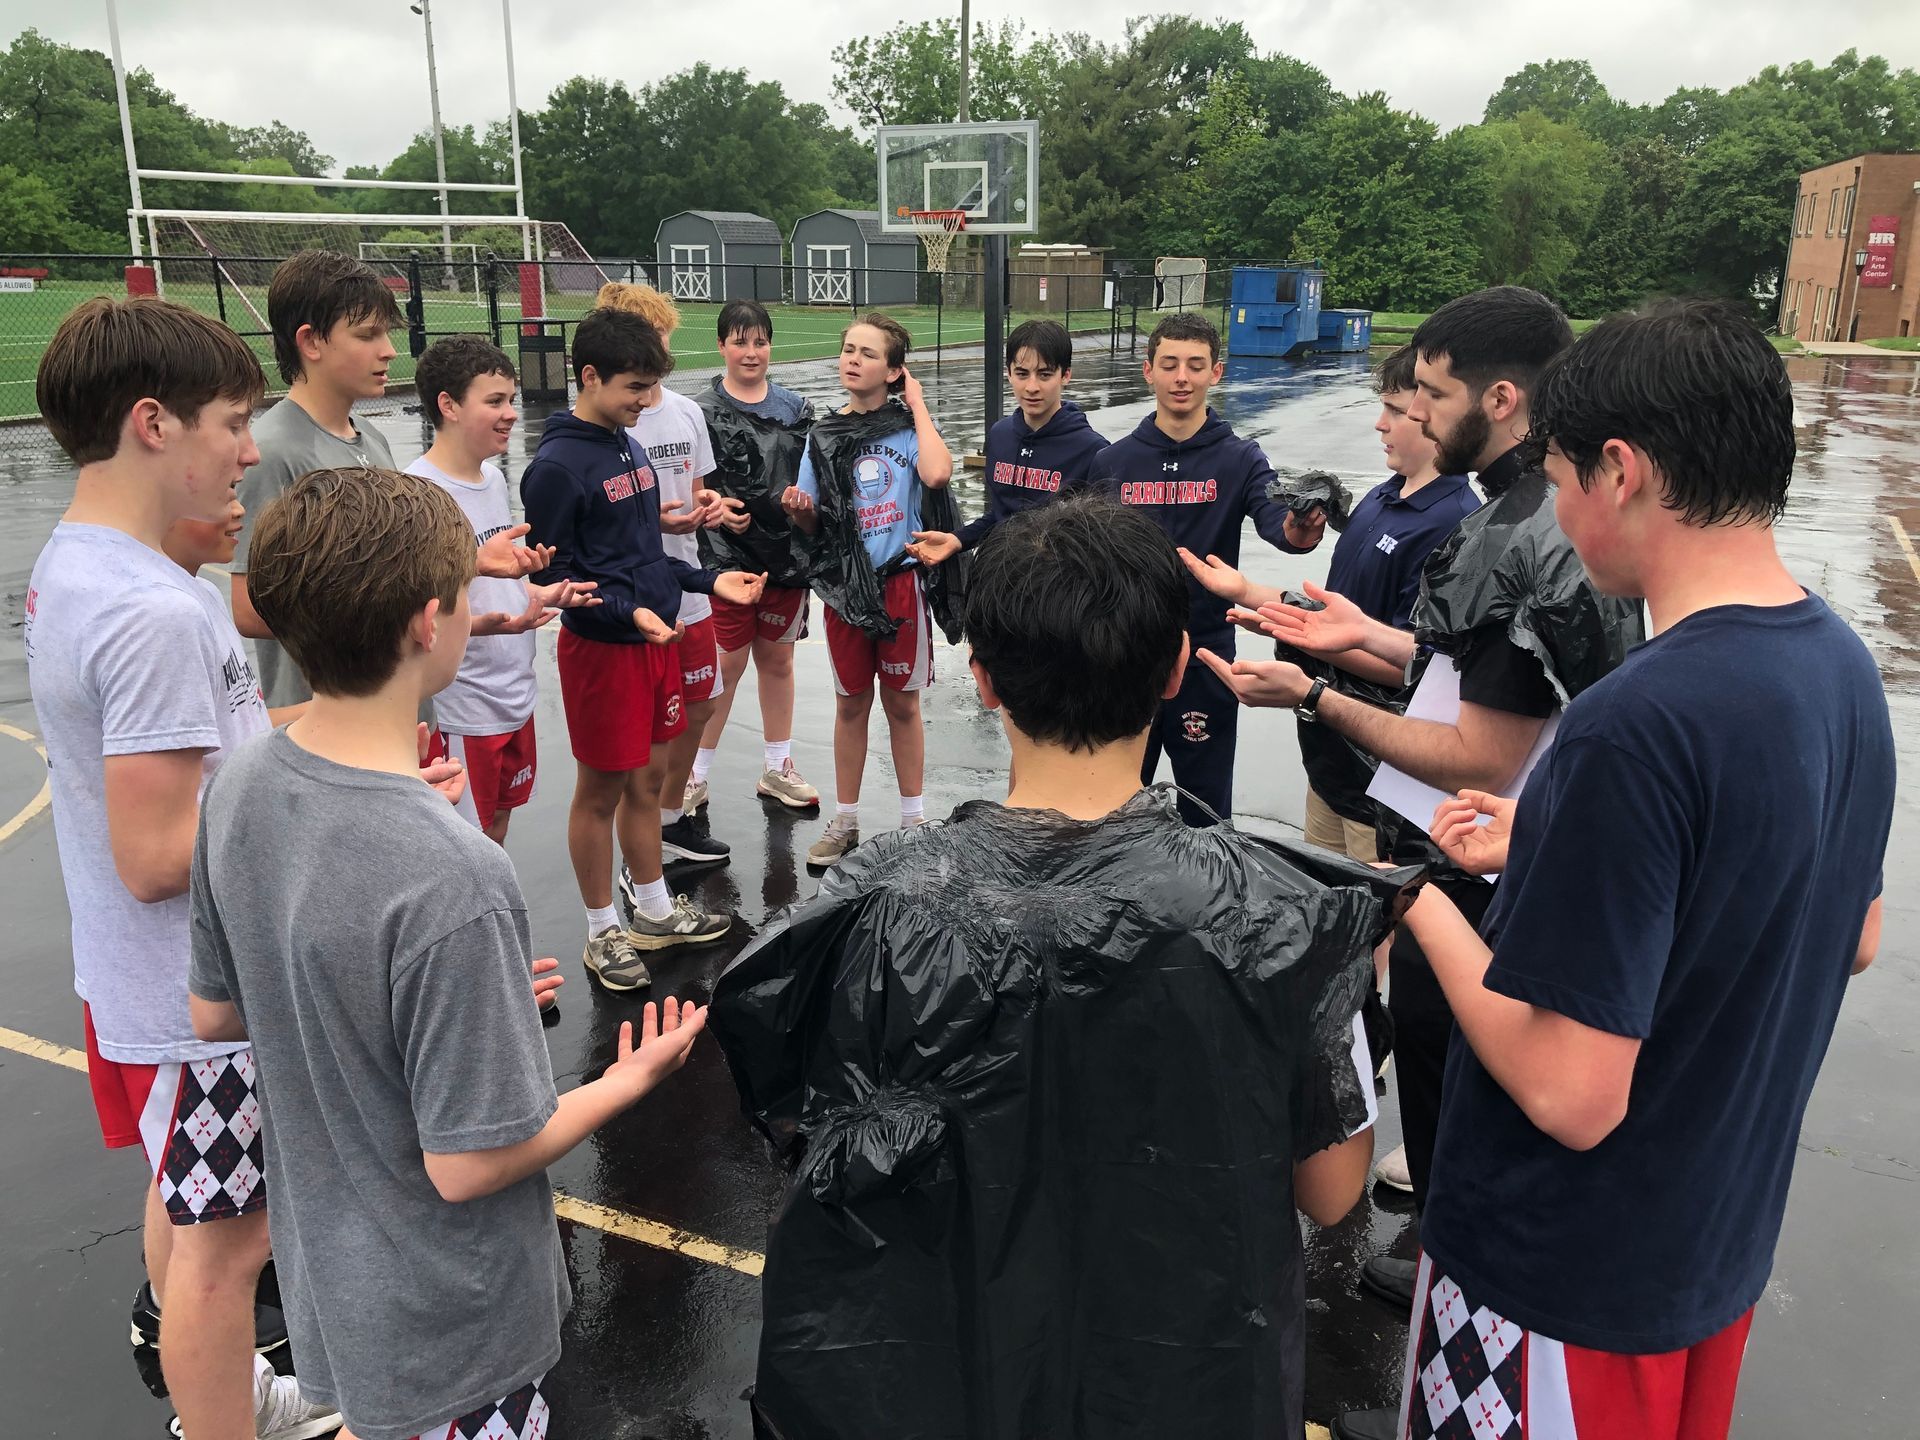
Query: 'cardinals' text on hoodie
x,y
1199,491
593,497
1028,468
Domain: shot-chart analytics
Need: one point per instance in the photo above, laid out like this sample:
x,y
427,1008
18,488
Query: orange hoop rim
x,y
949,220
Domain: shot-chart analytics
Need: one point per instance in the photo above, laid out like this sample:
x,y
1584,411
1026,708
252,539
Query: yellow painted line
x,y
43,1050
1900,534
41,800
623,1223
651,1232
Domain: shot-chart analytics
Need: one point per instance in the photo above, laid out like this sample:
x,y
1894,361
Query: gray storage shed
x,y
719,255
843,257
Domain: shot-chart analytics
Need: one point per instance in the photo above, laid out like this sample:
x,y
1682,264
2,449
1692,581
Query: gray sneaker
x,y
613,960
696,799
842,835
282,1413
786,786
684,925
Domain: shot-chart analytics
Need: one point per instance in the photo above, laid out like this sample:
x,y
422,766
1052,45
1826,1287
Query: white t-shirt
x,y
494,692
674,433
127,654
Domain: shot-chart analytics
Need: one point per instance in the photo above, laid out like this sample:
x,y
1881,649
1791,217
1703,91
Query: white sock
x,y
703,762
778,752
598,920
912,807
847,812
654,901
668,817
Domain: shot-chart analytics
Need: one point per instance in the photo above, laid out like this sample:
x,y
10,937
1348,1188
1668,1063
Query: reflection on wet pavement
x,y
661,1344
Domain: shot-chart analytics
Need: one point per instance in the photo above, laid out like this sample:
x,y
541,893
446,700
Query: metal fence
x,y
529,308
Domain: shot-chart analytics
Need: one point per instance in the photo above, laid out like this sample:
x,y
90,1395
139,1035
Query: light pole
x,y
1853,315
424,9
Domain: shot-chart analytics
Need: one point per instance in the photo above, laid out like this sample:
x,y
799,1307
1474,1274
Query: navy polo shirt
x,y
1377,562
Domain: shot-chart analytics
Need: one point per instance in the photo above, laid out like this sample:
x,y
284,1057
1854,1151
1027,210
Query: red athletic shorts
x,y
621,700
780,617
198,1121
700,677
902,663
500,771
1472,1372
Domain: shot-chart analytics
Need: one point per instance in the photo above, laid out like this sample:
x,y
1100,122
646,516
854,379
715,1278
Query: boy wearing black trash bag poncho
x,y
1054,1073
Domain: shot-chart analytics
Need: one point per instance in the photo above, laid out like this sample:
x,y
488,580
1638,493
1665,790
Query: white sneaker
x,y
786,786
1392,1172
281,1414
696,798
842,834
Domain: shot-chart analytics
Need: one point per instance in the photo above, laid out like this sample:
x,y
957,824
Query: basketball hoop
x,y
937,229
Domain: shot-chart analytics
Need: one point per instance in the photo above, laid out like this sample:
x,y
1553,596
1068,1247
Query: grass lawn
x,y
1896,342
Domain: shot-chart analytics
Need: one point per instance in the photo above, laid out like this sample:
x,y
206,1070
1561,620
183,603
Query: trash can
x,y
543,361
1274,310
1344,332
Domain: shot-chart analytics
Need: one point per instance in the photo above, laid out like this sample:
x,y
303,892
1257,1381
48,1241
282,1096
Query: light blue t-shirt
x,y
886,493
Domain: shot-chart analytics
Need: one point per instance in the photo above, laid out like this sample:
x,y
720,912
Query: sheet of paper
x,y
1437,698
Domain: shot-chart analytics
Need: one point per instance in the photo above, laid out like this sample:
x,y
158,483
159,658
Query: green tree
x,y
1546,179
585,155
910,75
32,214
1558,89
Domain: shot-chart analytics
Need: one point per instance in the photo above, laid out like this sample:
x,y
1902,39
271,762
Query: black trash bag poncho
x,y
1338,770
757,458
1508,569
1043,1082
839,569
1310,490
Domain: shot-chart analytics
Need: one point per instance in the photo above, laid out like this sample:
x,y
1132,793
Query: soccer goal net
x,y
1179,282
451,266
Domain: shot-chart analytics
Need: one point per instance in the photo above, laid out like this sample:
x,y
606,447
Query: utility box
x,y
1344,332
1274,310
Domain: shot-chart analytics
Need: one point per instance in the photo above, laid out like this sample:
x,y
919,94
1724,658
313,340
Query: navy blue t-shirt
x,y
1376,563
1691,865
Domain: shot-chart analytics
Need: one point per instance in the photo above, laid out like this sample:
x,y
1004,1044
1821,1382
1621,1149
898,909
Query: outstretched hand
x,y
737,587
730,514
1341,626
449,777
544,603
1267,684
1215,576
501,558
654,629
1305,532
667,1033
547,981
930,547
1477,848
796,502
677,517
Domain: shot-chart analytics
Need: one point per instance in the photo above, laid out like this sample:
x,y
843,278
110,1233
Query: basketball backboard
x,y
990,170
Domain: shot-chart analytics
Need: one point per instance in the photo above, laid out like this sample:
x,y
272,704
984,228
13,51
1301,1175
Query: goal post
x,y
1179,282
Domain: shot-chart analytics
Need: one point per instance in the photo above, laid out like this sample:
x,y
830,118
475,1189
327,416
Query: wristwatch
x,y
1309,708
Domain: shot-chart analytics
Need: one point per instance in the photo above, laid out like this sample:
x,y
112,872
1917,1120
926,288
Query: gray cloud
x,y
352,73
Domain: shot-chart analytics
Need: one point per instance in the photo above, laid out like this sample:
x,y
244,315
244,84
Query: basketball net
x,y
937,229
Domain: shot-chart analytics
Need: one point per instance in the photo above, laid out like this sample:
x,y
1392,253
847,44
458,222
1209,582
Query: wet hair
x,y
642,300
109,355
342,562
1505,332
450,366
1076,611
1395,372
322,288
742,318
899,343
1184,325
1049,341
615,342
1695,385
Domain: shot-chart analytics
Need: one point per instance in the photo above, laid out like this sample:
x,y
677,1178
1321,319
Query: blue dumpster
x,y
1344,332
1274,309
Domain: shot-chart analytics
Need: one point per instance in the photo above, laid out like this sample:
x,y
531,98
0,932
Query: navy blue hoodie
x,y
1199,491
1026,468
592,497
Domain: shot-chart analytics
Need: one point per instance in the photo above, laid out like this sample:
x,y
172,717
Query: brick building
x,y
1869,204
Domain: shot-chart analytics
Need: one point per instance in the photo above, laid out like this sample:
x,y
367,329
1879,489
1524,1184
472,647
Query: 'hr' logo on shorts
x,y
894,667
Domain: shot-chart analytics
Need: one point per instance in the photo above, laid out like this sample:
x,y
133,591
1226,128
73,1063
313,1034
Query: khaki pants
x,y
1330,832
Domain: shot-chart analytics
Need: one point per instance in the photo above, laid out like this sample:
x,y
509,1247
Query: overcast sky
x,y
352,73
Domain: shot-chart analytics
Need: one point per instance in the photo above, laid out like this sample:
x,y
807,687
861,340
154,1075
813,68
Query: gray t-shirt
x,y
292,444
494,692
127,654
377,948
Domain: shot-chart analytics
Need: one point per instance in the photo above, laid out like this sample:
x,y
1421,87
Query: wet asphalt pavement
x,y
662,1345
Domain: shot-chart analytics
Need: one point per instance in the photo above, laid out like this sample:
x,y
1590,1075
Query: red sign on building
x,y
1883,236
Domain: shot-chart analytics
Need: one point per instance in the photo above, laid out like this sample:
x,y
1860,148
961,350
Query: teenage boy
x,y
596,502
1198,481
883,481
1030,1173
1043,450
142,688
673,434
1376,564
376,955
330,315
1687,885
466,387
765,633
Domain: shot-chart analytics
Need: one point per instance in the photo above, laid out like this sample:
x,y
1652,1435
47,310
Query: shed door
x,y
829,274
690,268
